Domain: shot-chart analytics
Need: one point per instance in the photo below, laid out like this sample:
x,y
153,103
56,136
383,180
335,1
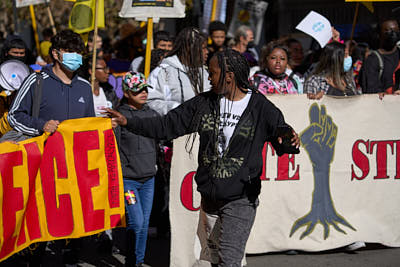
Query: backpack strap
x,y
380,61
37,95
293,80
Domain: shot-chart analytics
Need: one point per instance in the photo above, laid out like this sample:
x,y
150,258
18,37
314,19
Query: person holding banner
x,y
65,95
332,75
233,122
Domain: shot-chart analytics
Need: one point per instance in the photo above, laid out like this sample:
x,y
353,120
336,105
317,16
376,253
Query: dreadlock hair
x,y
231,60
188,48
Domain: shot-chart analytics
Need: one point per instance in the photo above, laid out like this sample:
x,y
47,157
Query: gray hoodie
x,y
171,85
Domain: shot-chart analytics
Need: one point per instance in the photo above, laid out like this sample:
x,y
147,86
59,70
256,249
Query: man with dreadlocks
x,y
233,122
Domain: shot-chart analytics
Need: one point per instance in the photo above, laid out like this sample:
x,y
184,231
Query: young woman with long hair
x,y
181,74
332,75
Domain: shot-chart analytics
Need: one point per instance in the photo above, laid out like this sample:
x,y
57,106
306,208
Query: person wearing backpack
x,y
377,73
65,95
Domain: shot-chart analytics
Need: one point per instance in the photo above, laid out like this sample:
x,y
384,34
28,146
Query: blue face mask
x,y
348,62
72,61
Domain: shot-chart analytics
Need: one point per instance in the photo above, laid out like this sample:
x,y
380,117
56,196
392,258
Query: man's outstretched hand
x,y
116,117
294,141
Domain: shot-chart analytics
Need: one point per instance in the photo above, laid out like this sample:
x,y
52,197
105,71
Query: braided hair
x,y
231,60
188,47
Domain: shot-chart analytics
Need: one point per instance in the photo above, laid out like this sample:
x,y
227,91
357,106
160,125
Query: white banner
x,y
343,186
22,3
142,9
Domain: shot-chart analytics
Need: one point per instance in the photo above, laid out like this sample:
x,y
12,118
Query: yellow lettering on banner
x,y
65,185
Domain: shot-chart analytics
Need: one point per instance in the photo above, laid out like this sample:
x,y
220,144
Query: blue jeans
x,y
138,213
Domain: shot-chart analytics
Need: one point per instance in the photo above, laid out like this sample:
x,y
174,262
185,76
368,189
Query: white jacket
x,y
171,85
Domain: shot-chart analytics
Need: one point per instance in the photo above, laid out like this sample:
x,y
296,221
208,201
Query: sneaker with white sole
x,y
356,245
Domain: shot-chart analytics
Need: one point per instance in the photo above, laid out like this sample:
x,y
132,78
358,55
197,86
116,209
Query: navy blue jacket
x,y
59,102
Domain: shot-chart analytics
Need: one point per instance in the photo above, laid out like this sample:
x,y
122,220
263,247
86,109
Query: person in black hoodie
x,y
233,122
138,160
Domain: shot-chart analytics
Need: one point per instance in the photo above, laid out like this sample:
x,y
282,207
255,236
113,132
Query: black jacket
x,y
137,153
237,172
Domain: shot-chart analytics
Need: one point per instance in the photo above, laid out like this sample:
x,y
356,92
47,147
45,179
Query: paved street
x,y
373,255
158,256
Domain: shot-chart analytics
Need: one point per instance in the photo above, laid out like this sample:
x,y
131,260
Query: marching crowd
x,y
199,83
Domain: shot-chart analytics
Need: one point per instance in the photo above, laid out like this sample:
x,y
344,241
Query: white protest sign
x,y
317,26
142,9
22,3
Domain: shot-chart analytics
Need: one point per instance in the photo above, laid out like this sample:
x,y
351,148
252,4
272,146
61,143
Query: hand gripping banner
x,y
64,185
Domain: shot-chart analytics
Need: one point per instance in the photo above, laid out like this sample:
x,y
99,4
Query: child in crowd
x,y
138,160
